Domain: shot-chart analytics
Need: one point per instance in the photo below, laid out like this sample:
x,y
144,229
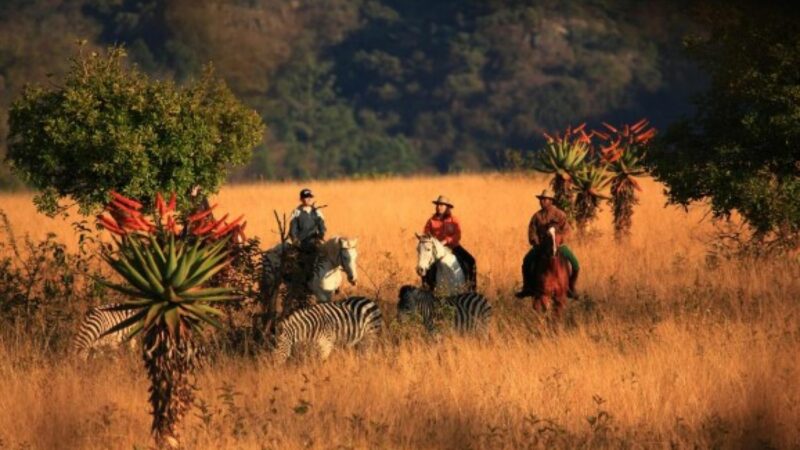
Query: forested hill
x,y
375,86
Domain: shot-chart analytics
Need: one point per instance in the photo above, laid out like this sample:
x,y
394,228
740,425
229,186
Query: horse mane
x,y
330,248
433,240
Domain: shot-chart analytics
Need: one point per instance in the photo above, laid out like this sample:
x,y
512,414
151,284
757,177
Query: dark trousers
x,y
468,265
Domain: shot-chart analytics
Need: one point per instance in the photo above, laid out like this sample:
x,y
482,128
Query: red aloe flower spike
x,y
171,225
220,221
172,201
609,127
160,204
202,214
646,136
602,135
639,125
203,229
225,230
548,137
121,207
580,128
228,227
126,201
585,137
110,225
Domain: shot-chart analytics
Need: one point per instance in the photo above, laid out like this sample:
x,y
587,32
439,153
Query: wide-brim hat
x,y
547,193
442,200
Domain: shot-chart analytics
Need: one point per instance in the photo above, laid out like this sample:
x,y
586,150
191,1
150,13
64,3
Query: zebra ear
x,y
419,236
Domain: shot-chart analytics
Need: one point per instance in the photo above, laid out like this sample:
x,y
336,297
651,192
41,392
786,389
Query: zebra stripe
x,y
89,336
344,323
472,310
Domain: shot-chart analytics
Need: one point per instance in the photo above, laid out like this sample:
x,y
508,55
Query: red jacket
x,y
445,229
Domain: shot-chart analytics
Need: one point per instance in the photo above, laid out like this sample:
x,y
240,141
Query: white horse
x,y
336,255
450,277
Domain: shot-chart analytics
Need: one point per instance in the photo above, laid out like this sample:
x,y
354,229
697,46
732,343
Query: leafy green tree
x,y
110,127
740,150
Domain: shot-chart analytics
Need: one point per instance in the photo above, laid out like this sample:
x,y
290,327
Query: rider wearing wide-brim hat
x,y
548,216
444,226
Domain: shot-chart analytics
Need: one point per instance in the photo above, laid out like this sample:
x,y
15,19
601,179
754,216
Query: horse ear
x,y
419,236
353,242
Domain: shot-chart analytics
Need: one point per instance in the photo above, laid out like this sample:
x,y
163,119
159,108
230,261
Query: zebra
x,y
472,310
89,337
344,323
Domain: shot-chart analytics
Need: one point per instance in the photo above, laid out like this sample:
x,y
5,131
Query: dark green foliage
x,y
741,149
380,86
108,127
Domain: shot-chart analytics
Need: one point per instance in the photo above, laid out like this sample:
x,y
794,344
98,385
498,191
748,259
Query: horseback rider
x,y
444,226
307,225
548,216
307,231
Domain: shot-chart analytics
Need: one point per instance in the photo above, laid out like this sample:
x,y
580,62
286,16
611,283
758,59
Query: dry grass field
x,y
666,349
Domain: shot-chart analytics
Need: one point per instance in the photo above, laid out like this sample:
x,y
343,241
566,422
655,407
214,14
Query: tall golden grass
x,y
667,349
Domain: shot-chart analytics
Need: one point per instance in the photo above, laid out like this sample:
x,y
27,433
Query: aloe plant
x,y
589,184
624,156
563,156
164,269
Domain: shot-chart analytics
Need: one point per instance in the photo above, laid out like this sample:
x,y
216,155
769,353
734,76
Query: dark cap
x,y
306,193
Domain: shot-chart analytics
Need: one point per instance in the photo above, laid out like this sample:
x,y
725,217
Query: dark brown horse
x,y
550,275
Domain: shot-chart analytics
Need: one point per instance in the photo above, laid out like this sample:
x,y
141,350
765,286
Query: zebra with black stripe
x,y
97,321
325,325
472,311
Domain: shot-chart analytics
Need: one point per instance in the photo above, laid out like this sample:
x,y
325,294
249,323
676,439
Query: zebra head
x,y
429,251
348,255
284,340
407,302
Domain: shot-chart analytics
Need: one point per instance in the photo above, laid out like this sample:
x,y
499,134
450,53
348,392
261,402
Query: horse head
x,y
348,256
551,243
429,251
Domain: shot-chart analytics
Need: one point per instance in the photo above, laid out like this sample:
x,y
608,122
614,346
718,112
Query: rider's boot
x,y
526,291
573,281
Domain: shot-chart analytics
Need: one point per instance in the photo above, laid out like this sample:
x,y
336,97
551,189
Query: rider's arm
x,y
321,228
294,227
453,238
533,237
562,225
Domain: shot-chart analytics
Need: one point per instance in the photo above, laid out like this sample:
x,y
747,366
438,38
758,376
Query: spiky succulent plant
x,y
164,266
589,183
563,156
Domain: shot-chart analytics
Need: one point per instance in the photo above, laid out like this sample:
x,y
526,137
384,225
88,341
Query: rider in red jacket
x,y
444,226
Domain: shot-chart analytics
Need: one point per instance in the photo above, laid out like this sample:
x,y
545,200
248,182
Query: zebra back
x,y
345,323
96,322
472,311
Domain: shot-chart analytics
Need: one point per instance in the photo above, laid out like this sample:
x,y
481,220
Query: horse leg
x,y
560,304
541,303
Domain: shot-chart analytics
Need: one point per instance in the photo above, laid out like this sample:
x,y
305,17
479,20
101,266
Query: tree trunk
x,y
564,195
623,200
170,364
